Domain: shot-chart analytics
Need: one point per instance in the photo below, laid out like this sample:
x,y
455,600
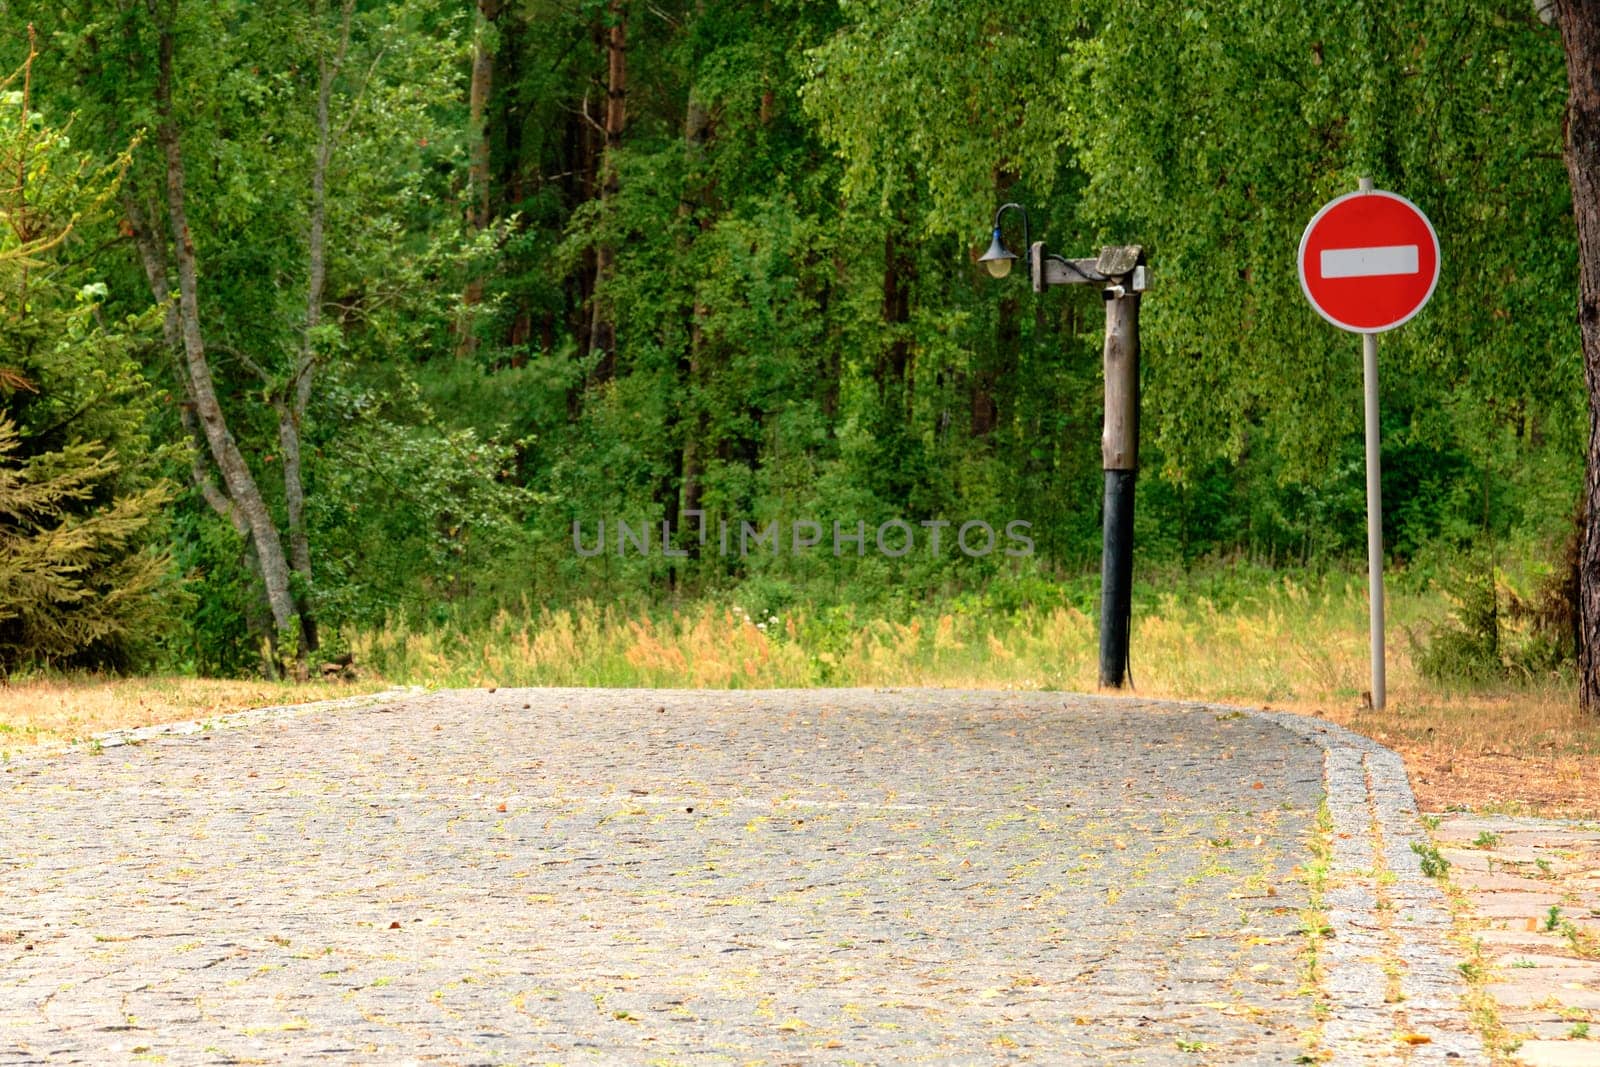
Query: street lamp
x,y
1120,271
998,259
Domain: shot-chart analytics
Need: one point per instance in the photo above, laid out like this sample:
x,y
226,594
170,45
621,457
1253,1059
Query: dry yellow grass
x,y
53,710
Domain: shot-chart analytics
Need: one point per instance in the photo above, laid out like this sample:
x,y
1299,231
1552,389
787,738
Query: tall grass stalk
x,y
1283,641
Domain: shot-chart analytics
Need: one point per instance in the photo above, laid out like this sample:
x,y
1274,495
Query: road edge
x,y
135,735
1386,918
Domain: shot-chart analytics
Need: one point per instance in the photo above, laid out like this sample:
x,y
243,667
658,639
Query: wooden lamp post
x,y
1121,274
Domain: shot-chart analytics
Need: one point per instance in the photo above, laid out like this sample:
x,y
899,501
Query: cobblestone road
x,y
649,877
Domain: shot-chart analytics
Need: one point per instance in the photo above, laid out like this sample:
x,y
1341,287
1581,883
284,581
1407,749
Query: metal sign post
x,y
1369,383
1369,261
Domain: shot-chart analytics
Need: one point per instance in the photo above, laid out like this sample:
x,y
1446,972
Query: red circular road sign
x,y
1369,261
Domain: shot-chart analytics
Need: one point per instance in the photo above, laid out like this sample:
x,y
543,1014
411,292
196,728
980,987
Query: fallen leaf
x,y
1416,1039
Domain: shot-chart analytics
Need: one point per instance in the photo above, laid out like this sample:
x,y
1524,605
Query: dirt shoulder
x,y
55,711
1524,754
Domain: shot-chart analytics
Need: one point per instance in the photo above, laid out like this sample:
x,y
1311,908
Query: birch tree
x,y
285,135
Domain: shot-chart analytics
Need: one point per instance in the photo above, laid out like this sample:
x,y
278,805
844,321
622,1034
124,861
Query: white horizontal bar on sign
x,y
1367,262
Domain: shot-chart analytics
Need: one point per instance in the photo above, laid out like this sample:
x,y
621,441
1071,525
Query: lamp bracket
x,y
1117,265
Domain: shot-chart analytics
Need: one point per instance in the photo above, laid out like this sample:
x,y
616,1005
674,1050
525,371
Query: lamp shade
x,y
997,260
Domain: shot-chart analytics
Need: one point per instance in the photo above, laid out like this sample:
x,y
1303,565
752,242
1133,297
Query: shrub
x,y
75,582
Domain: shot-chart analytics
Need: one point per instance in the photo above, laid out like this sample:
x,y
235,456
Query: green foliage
x,y
916,120
218,636
82,577
1467,649
76,585
1433,864
413,514
1494,633
1424,99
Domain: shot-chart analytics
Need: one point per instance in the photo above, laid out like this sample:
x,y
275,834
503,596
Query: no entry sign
x,y
1368,261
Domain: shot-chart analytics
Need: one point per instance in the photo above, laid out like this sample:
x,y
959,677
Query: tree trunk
x,y
154,261
985,411
581,282
693,422
899,271
478,172
512,175
603,330
241,485
294,499
291,409
832,360
1580,34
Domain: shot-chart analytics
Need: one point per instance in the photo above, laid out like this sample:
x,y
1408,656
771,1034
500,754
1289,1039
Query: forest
x,y
323,318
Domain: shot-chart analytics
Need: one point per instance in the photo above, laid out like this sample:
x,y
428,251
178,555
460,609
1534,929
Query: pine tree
x,y
80,580
76,582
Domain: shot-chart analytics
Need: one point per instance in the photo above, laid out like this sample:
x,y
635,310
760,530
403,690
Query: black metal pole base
x,y
1116,578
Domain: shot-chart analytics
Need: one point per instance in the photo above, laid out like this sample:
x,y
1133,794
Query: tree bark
x,y
899,271
151,257
1580,34
294,499
603,330
291,407
832,359
478,172
240,483
982,384
693,200
580,283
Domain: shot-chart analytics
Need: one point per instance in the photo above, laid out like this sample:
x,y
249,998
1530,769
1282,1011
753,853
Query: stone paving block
x,y
1498,881
1559,1053
1519,905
